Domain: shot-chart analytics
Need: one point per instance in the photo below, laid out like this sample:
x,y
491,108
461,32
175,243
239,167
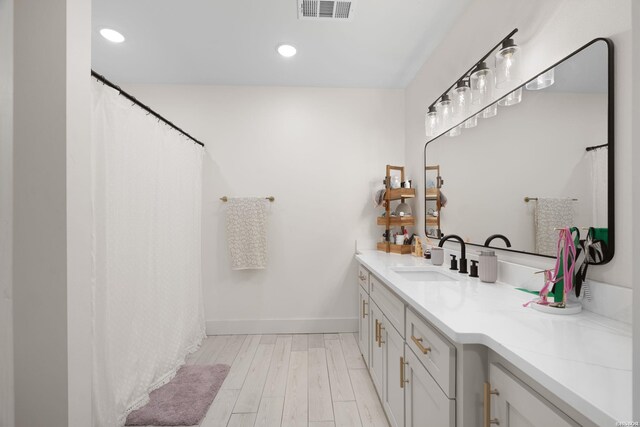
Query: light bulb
x,y
508,64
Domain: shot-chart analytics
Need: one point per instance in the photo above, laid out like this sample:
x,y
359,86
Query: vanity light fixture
x,y
455,131
544,80
431,121
474,91
443,107
512,98
482,82
461,98
287,50
508,64
471,122
112,35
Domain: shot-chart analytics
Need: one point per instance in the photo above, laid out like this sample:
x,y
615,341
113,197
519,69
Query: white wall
x,y
320,152
635,199
6,207
485,194
549,31
52,213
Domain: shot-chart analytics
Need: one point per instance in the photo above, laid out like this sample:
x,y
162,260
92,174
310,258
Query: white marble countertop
x,y
584,359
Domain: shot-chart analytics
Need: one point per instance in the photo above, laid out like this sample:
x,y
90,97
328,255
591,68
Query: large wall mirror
x,y
539,165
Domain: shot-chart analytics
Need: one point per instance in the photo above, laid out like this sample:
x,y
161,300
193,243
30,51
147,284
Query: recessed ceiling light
x,y
286,50
112,35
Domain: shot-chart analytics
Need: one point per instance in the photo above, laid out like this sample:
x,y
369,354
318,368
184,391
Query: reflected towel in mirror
x,y
551,214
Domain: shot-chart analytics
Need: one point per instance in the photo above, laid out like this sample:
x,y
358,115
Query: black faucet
x,y
463,253
497,236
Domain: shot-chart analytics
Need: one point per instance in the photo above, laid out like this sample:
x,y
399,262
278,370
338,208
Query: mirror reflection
x,y
538,165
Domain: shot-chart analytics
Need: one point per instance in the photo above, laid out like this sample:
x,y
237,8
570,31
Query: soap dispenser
x,y
474,268
488,266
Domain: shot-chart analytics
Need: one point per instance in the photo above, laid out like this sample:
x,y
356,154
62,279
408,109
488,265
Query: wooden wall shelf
x,y
397,221
389,221
395,249
399,193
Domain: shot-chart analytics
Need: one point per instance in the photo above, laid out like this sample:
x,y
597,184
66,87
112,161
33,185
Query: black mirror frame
x,y
610,154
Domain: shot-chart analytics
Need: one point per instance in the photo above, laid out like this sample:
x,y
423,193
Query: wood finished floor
x,y
315,380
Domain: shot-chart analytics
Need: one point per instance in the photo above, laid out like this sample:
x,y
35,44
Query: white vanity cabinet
x,y
410,395
393,361
430,370
376,362
508,402
425,404
363,322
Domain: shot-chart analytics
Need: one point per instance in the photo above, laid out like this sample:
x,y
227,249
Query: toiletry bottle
x,y
488,268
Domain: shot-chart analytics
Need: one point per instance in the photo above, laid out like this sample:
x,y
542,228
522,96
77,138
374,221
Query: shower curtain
x,y
599,183
147,295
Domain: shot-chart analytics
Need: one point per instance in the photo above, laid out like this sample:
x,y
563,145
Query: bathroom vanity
x,y
444,349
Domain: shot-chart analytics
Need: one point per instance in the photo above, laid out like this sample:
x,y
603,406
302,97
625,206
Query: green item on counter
x,y
529,291
601,234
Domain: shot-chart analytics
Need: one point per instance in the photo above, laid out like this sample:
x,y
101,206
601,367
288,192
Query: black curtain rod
x,y
595,147
468,72
102,79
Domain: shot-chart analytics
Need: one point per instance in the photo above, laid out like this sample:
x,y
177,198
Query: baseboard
x,y
281,326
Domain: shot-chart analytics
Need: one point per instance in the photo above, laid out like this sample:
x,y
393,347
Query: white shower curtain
x,y
147,294
599,182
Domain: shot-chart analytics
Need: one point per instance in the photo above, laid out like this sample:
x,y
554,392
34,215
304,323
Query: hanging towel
x,y
549,215
247,232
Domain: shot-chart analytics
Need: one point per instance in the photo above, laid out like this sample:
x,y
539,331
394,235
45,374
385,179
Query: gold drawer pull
x,y
377,331
487,405
418,342
402,380
380,328
364,313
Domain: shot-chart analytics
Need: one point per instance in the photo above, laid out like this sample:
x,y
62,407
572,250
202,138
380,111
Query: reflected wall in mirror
x,y
542,164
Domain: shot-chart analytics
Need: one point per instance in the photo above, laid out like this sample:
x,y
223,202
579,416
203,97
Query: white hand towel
x,y
549,215
247,232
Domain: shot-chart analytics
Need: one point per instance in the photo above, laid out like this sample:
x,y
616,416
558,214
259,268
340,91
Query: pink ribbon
x,y
567,252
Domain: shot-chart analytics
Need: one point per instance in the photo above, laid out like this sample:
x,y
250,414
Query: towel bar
x,y
528,199
226,199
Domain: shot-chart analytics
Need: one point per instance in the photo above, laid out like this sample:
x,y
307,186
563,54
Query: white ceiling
x,y
234,42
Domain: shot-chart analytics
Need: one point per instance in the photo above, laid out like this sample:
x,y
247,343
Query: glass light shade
x,y
482,83
431,122
545,79
461,100
471,122
445,112
511,99
490,111
508,65
456,131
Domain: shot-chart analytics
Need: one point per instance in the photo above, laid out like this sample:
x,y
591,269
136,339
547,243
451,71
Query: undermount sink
x,y
423,274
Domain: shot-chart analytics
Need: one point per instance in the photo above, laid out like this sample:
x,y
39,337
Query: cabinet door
x,y
393,356
516,405
426,405
375,356
363,321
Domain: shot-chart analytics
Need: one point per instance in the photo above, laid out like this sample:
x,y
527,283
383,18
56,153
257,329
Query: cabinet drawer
x,y
391,305
363,278
434,351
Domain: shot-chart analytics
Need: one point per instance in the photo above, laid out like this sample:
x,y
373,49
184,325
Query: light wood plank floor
x,y
315,380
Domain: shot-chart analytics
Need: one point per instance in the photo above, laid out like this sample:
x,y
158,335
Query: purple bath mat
x,y
184,400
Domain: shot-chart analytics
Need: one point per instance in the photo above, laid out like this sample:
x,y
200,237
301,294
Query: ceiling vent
x,y
320,10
